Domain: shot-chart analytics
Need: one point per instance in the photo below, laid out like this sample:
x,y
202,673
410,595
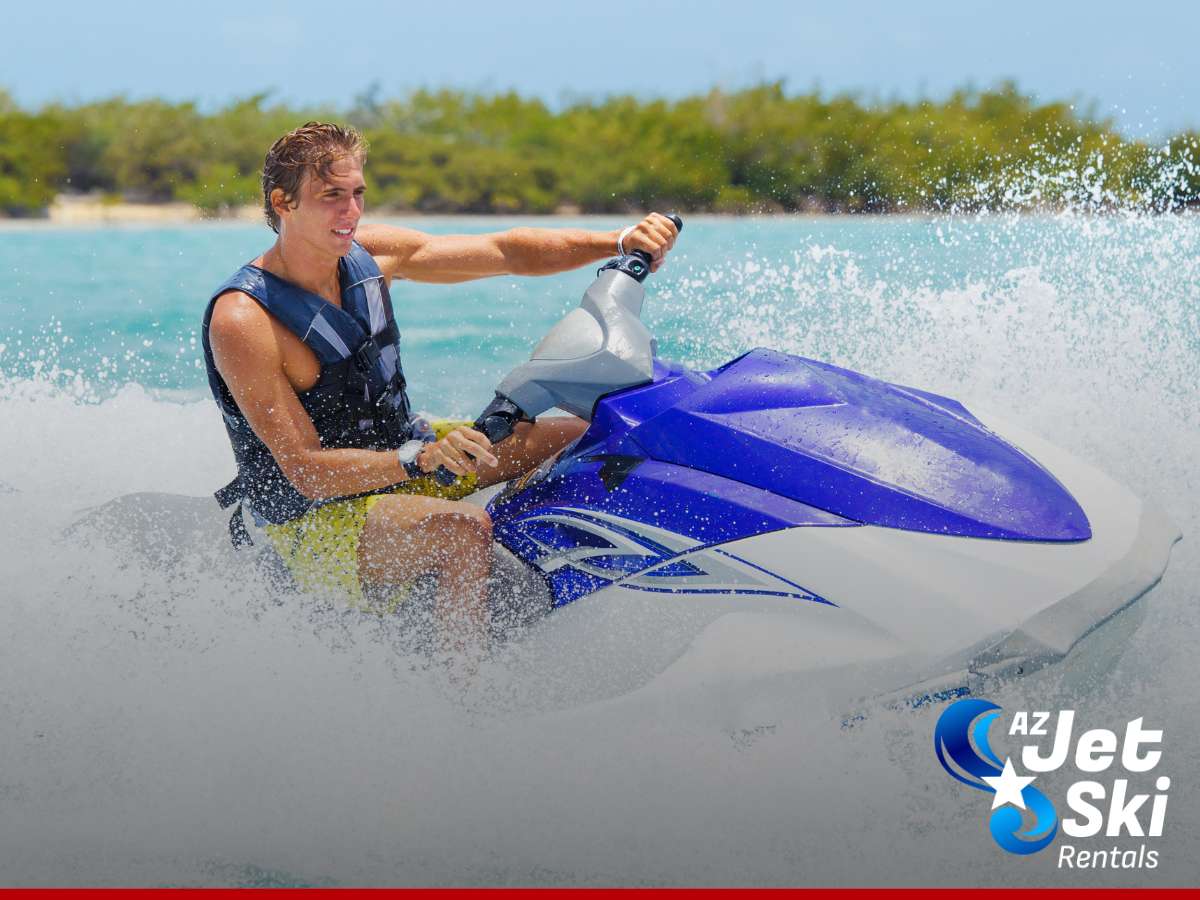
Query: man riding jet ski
x,y
303,359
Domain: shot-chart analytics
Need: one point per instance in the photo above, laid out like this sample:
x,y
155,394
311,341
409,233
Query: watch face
x,y
408,453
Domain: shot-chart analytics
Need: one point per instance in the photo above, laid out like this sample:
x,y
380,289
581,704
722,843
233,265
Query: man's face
x,y
328,209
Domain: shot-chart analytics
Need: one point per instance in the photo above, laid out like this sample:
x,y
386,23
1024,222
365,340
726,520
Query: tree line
x,y
760,149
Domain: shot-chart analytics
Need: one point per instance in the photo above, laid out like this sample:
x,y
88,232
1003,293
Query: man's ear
x,y
279,202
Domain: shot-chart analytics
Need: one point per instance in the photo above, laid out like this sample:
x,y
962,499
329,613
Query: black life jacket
x,y
358,401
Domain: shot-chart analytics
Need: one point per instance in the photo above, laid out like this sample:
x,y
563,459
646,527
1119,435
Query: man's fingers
x,y
664,230
473,444
655,235
439,457
443,453
665,220
471,441
456,462
478,436
659,232
652,242
665,227
478,452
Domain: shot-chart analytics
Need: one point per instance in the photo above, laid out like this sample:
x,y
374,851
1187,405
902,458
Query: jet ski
x,y
779,514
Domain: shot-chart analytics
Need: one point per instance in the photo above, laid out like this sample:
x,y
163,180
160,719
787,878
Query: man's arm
x,y
249,358
444,259
246,351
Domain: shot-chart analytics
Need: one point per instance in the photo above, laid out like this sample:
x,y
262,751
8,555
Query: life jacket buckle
x,y
366,357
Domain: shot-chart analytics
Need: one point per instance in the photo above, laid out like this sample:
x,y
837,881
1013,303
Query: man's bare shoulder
x,y
239,325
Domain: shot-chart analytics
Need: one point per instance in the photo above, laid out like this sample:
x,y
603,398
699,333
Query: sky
x,y
1134,61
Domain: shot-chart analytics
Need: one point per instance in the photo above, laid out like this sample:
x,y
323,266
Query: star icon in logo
x,y
1008,785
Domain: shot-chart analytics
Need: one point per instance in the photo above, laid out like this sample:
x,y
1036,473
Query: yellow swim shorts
x,y
321,547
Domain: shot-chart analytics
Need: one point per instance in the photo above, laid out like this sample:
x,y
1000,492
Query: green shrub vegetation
x,y
759,149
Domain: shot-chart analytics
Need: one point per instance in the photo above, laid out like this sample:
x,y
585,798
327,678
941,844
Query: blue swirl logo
x,y
961,742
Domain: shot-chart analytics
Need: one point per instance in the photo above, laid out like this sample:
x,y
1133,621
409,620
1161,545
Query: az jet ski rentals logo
x,y
1023,820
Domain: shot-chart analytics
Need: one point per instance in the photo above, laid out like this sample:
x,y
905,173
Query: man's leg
x,y
407,536
529,446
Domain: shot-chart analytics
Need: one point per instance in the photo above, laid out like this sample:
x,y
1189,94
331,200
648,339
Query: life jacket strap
x,y
239,535
230,494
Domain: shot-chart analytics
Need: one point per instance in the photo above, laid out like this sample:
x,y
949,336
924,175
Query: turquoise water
x,y
120,305
167,723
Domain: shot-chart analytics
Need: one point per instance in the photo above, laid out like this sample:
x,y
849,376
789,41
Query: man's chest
x,y
300,364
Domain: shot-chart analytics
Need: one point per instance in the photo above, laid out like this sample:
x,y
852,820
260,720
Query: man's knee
x,y
463,524
471,519
407,535
399,520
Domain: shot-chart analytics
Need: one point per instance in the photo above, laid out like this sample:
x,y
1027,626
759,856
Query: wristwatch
x,y
407,454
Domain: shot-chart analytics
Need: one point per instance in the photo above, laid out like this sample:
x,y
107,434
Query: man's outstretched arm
x,y
417,256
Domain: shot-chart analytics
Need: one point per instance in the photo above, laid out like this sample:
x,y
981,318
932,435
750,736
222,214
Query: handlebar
x,y
501,416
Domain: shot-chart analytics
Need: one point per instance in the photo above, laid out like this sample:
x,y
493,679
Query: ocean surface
x,y
166,720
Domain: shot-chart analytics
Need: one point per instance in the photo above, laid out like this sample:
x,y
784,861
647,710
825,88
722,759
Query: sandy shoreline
x,y
89,210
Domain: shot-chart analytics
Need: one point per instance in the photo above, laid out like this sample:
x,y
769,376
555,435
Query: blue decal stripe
x,y
649,544
761,592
